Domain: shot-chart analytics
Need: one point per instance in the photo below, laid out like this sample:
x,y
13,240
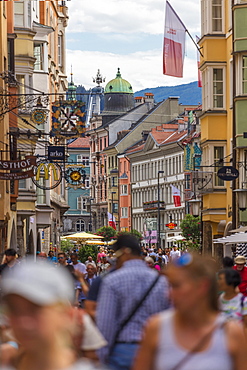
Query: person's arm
x,y
90,308
145,358
237,345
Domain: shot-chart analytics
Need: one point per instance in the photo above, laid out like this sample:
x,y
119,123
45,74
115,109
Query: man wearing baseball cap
x,y
240,262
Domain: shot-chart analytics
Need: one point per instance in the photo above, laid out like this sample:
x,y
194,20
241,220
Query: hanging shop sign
x,y
228,173
68,119
56,153
18,164
16,175
171,225
75,177
47,175
38,116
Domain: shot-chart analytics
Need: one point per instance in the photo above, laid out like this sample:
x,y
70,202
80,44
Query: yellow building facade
x,y
223,79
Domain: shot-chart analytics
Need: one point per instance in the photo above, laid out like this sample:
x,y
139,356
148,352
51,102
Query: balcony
x,y
153,205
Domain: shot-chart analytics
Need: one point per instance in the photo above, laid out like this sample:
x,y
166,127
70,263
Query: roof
x,y
118,85
80,142
136,147
162,138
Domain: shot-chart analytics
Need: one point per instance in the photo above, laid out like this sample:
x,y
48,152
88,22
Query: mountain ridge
x,y
188,93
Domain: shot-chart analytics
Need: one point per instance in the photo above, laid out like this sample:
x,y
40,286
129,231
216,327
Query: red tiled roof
x,y
80,142
167,137
135,148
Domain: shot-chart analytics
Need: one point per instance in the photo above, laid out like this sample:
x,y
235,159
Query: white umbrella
x,y
175,238
232,239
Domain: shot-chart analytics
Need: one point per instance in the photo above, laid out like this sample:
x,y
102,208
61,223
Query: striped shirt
x,y
119,294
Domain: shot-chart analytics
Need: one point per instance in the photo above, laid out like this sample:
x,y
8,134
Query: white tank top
x,y
170,353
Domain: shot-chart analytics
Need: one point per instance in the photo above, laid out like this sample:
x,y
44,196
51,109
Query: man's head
x,y
90,270
127,247
74,258
10,255
240,261
61,258
90,259
50,254
42,255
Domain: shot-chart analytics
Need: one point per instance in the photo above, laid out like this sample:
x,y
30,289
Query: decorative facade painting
x,y
68,118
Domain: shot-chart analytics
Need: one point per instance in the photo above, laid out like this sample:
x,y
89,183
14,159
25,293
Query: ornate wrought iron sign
x,y
38,116
47,175
68,118
75,176
228,173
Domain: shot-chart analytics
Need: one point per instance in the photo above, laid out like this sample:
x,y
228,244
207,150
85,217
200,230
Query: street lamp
x,y
158,239
242,198
195,206
89,204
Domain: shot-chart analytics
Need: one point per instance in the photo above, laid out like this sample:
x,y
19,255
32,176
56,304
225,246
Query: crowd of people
x,y
131,308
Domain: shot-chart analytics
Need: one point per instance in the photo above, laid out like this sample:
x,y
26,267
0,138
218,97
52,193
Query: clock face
x,y
38,116
75,176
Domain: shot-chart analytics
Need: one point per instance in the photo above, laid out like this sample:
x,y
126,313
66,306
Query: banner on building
x,y
16,175
23,164
176,196
111,220
174,43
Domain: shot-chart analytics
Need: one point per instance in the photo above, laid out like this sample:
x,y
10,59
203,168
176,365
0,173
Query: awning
x,y
232,239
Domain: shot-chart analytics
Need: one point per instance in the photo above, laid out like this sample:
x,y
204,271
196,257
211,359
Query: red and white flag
x,y
176,196
198,64
174,43
111,220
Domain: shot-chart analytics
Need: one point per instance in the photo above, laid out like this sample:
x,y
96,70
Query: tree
x,y
86,251
191,231
66,246
107,232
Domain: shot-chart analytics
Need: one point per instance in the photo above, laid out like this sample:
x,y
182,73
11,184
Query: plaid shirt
x,y
119,294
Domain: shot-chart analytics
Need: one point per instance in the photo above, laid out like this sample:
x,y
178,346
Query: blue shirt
x,y
119,294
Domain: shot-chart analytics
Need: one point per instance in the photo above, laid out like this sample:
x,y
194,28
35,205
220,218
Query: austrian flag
x,y
174,43
176,196
111,220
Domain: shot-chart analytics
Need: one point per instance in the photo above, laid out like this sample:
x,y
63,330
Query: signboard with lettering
x,y
18,164
16,175
56,153
228,173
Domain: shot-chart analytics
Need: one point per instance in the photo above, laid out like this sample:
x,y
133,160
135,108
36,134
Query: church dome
x,y
118,85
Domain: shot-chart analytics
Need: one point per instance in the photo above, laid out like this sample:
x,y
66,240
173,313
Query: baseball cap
x,y
39,282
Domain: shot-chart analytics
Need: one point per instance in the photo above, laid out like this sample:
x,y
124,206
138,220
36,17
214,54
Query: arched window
x,y
80,225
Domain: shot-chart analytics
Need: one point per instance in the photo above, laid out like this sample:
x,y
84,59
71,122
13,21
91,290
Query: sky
x,y
126,34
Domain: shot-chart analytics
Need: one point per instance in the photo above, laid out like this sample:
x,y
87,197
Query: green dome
x,y
118,85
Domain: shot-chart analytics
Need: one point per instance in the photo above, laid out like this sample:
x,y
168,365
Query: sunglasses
x,y
184,260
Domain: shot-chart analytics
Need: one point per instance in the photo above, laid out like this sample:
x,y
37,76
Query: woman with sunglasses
x,y
193,335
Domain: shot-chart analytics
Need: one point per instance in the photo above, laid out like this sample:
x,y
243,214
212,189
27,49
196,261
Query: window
x,y
217,15
80,225
83,160
218,160
19,13
187,182
113,181
212,16
124,212
22,184
124,189
244,75
39,55
81,203
60,50
218,88
11,55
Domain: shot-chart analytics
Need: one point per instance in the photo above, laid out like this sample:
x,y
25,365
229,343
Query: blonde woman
x,y
193,335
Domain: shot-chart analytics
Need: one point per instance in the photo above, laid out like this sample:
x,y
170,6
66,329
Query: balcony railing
x,y
153,205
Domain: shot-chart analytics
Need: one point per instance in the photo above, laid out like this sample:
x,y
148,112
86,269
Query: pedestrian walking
x,y
37,299
233,304
193,335
9,260
240,262
127,298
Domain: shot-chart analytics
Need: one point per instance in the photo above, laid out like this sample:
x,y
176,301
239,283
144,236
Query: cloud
x,y
128,16
141,69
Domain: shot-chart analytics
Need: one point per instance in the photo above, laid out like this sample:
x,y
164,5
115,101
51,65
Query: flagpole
x,y
186,30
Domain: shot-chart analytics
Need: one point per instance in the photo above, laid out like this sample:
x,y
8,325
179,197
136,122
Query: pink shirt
x,y
99,255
